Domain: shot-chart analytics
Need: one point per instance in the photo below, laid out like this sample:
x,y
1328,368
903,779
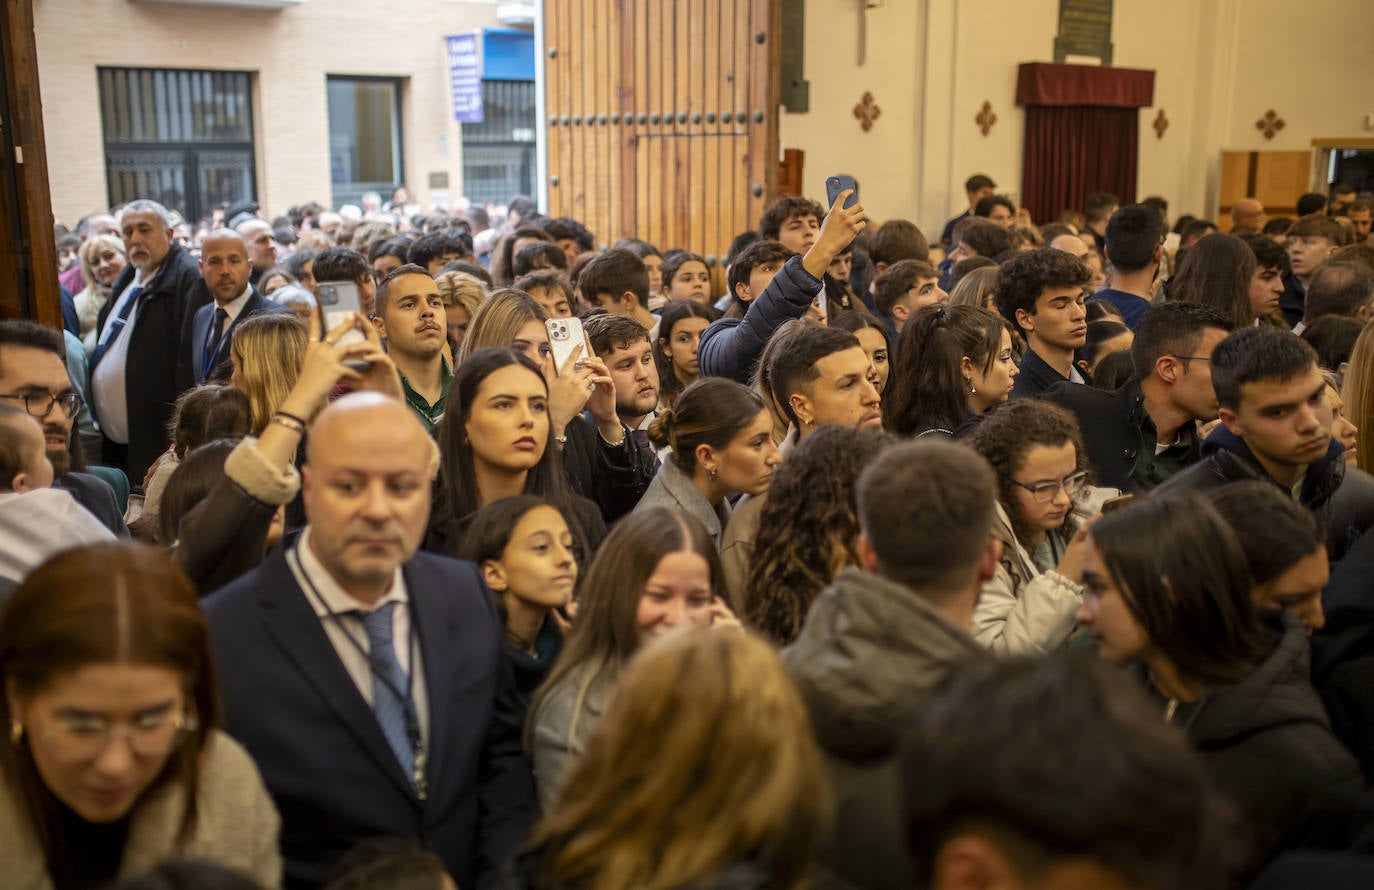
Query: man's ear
x,y
379,325
629,299
494,575
900,311
987,563
971,861
742,292
802,407
1025,321
868,557
1167,367
1229,420
879,268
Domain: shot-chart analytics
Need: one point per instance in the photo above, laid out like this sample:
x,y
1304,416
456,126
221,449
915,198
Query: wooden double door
x,y
662,118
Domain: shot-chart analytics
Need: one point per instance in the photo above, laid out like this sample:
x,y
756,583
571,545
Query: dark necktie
x,y
390,686
212,342
642,437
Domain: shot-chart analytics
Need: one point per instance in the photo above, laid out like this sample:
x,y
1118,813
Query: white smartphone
x,y
338,301
565,335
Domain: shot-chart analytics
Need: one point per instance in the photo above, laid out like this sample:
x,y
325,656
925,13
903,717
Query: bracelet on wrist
x,y
624,434
289,421
287,414
562,442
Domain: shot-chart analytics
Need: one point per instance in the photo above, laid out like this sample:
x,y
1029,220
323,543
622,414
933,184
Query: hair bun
x,y
661,429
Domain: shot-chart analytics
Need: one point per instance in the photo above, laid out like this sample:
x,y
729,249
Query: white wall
x,y
1219,65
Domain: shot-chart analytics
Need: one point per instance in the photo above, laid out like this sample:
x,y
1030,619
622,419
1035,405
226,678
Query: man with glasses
x,y
1146,431
33,378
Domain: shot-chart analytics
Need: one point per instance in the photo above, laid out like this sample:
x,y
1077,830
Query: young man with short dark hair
x,y
1312,240
979,812
1041,292
570,236
894,627
730,347
1271,264
976,187
1145,432
436,250
1273,428
412,320
903,288
1098,209
752,271
623,344
997,209
1134,245
618,282
536,256
793,220
551,289
346,264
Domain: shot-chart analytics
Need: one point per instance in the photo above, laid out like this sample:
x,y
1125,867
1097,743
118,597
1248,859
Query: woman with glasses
x,y
113,764
1037,451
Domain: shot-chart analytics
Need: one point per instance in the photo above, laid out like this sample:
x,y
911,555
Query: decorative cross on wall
x,y
1270,124
1161,124
986,118
867,111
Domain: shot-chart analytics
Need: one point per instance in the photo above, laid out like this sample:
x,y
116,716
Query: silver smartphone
x,y
338,301
565,335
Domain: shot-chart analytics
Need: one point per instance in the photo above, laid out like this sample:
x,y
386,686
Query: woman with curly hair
x,y
807,529
1036,449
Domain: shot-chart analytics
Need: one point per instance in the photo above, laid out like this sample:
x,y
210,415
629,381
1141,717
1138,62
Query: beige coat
x,y
236,828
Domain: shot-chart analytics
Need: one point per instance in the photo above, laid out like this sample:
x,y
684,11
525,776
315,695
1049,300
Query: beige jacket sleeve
x,y
1035,620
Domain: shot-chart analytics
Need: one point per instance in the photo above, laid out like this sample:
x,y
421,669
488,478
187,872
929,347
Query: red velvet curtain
x,y
1082,133
1073,150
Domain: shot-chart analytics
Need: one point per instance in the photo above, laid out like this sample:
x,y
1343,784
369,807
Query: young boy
x,y
1311,241
36,520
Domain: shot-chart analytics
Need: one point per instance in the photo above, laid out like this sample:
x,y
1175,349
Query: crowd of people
x,y
1034,556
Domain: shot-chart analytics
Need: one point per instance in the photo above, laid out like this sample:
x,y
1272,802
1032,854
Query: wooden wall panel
x,y
1276,178
663,118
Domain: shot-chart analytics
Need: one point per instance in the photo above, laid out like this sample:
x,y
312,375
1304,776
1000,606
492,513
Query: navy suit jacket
x,y
289,700
194,352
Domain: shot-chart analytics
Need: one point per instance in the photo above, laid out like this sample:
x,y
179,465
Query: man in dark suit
x,y
225,269
367,680
134,367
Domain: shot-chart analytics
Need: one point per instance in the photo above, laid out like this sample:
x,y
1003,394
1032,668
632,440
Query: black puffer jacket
x,y
1268,746
1341,499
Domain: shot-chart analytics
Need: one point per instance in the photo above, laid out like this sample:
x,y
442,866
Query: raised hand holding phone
x,y
838,229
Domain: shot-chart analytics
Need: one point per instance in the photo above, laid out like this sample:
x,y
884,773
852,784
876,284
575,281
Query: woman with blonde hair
x,y
462,294
704,773
102,259
1358,394
267,353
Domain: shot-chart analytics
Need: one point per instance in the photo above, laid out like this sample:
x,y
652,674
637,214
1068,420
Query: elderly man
x,y
368,680
142,328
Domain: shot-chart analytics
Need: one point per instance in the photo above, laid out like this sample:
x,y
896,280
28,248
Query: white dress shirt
x,y
333,605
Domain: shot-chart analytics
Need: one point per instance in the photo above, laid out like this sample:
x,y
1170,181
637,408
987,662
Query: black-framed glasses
x,y
39,404
1044,492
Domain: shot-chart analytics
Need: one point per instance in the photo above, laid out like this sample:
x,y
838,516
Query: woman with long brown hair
x,y
704,773
113,763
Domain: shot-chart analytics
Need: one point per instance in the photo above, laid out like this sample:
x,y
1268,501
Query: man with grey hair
x,y
142,331
880,638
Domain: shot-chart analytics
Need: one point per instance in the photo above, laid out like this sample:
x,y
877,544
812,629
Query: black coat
x,y
96,495
289,700
1343,651
1268,747
161,325
730,347
1119,436
1035,378
1341,499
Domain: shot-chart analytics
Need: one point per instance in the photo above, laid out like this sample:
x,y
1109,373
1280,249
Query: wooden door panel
x,y
662,118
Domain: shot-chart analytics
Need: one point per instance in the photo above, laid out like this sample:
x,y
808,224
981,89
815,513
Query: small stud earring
x,y
16,732
712,474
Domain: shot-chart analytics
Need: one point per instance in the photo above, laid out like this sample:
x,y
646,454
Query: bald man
x,y
1247,217
262,245
367,679
224,268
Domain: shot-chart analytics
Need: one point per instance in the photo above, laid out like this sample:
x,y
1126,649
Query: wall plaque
x,y
1085,29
